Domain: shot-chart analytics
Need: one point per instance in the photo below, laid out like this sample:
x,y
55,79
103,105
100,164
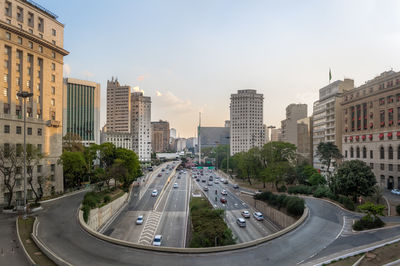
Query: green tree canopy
x,y
354,178
74,167
327,152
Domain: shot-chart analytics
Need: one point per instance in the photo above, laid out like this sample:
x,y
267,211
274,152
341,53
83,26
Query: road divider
x,y
171,175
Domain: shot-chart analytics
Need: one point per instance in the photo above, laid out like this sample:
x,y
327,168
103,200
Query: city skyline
x,y
193,56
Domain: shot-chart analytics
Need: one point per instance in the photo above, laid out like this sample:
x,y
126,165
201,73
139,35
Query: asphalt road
x,y
141,203
11,252
234,206
60,231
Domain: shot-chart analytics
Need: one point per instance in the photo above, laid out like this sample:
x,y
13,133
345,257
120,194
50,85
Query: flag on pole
x,y
330,75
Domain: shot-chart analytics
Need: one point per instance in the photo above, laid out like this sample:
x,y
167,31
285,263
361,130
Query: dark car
x,y
235,186
159,175
223,200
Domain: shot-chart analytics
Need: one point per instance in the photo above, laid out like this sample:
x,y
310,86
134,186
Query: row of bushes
x,y
208,226
368,222
322,192
94,200
293,205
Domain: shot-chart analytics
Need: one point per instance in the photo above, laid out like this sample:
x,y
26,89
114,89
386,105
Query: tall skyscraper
x,y
32,42
118,107
172,133
327,124
246,116
160,136
294,112
81,110
141,126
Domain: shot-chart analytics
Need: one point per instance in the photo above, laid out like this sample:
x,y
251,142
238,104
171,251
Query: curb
x,y
31,261
355,251
192,250
387,205
56,259
65,195
110,220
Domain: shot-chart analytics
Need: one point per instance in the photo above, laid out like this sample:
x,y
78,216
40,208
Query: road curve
x,y
60,231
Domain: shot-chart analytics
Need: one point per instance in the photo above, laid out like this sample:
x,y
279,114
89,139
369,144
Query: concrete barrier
x,y
192,250
50,254
31,261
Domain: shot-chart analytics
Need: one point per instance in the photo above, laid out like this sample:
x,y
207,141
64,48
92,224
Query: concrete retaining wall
x,y
99,216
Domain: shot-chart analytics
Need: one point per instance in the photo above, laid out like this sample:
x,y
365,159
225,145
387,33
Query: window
x,y
41,49
364,152
382,152
30,19
53,66
8,36
5,77
53,168
53,78
390,166
7,9
39,147
20,14
382,166
30,44
398,152
40,25
54,42
53,102
19,40
18,68
53,90
5,92
39,131
39,168
371,154
53,54
29,131
54,32
358,152
390,153
7,129
371,165
18,130
345,154
351,152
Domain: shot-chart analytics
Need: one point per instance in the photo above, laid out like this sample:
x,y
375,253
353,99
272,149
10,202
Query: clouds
x,y
66,70
173,104
137,89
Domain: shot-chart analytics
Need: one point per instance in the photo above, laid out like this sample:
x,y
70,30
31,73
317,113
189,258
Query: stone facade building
x,y
371,127
81,110
119,139
327,125
118,107
160,136
246,116
32,55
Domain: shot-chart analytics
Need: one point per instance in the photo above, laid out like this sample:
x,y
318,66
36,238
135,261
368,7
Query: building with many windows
x,y
81,110
141,126
246,116
294,112
119,139
371,127
31,41
118,107
214,136
276,134
327,127
160,136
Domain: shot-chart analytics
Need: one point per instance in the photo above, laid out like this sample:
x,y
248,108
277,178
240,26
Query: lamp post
x,y
24,95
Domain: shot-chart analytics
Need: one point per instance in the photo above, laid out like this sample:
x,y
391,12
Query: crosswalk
x,y
150,227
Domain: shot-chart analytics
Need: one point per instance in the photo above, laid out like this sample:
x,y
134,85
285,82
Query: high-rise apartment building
x,y
118,107
294,112
327,125
172,133
304,138
160,136
81,110
141,126
32,44
276,134
371,127
246,116
214,136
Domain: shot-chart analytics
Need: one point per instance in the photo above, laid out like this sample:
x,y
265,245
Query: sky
x,y
190,56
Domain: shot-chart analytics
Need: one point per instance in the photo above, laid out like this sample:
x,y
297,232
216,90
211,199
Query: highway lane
x,y
60,230
173,223
254,229
124,226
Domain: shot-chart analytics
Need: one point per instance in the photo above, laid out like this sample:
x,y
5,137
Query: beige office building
x,y
276,134
31,39
294,112
304,138
246,116
160,136
371,127
118,107
141,126
327,125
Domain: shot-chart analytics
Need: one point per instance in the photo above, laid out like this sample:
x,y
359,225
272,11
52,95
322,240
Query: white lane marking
x,y
341,231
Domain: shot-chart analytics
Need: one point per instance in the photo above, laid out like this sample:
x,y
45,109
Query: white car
x,y
246,214
241,222
175,185
395,191
157,240
139,219
258,216
154,193
223,192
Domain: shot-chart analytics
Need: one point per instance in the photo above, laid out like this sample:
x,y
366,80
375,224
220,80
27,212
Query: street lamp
x,y
24,95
